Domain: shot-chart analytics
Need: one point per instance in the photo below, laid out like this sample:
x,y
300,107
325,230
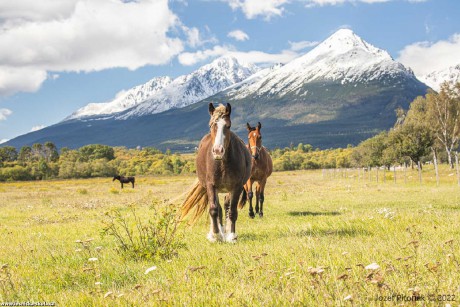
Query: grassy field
x,y
312,247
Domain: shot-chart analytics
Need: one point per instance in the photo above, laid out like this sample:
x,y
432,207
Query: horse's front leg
x,y
215,232
121,184
232,216
250,195
260,198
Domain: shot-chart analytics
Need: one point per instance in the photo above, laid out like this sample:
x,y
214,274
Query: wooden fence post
x,y
405,173
435,161
456,165
419,166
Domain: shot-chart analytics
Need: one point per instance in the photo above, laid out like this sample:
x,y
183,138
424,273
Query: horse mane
x,y
219,112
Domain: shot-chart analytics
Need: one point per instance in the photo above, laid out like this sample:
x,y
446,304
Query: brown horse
x,y
262,168
223,164
124,180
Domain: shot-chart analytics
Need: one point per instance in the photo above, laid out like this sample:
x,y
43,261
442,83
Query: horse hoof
x,y
261,214
214,237
231,237
252,215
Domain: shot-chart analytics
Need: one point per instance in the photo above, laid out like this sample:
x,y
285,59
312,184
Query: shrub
x,y
145,239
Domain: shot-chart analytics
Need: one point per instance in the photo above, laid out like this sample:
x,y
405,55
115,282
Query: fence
x,y
398,174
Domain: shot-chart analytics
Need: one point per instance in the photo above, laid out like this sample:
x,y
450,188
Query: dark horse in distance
x,y
124,180
223,164
262,168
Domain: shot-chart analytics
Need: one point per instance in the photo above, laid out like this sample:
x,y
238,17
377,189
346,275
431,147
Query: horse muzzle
x,y
218,152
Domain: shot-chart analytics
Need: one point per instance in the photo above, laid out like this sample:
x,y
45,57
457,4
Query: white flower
x,y
153,268
108,294
92,259
372,266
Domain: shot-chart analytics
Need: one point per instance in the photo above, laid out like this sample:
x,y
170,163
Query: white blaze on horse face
x,y
218,147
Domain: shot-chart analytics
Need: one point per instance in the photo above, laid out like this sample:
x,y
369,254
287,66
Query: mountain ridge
x,y
339,93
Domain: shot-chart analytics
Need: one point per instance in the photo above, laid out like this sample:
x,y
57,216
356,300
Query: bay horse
x,y
262,168
223,164
124,180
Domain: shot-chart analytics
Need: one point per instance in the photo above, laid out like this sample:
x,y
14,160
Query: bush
x,y
15,173
144,240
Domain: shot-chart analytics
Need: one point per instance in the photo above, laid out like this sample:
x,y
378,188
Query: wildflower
x,y
92,259
108,294
372,266
153,268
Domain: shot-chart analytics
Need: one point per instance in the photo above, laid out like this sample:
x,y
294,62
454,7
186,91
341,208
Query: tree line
x,y
428,131
43,161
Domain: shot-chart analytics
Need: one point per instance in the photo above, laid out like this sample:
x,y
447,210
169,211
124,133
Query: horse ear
x,y
228,109
259,125
248,127
211,108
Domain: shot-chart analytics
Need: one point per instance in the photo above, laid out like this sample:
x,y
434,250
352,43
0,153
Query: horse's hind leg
x,y
226,207
122,185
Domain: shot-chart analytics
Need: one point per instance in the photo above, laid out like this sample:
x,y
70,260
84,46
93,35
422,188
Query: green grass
x,y
317,235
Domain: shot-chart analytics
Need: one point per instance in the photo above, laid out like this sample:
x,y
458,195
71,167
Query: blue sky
x,y
57,56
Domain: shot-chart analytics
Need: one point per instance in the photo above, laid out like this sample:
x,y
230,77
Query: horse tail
x,y
196,197
243,198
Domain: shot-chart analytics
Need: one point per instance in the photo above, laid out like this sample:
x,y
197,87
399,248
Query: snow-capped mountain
x,y
161,94
436,78
343,91
124,100
343,57
200,84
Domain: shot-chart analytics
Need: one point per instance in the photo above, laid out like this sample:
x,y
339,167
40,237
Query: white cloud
x,y
255,57
426,57
36,10
193,36
273,8
238,35
4,113
312,3
20,79
36,128
297,46
4,141
255,8
83,35
191,58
